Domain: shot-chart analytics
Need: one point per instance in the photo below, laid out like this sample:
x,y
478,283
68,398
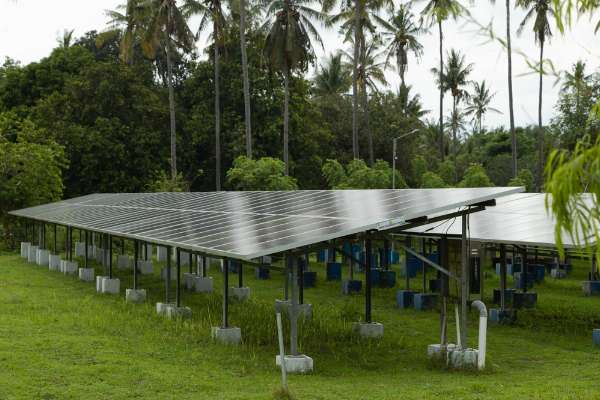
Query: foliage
x,y
164,183
568,175
432,180
446,171
475,176
418,167
524,178
265,173
357,175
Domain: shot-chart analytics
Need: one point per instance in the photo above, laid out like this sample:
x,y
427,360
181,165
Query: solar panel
x,y
246,225
516,219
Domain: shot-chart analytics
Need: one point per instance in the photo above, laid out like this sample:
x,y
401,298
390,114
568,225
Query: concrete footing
x,y
145,267
437,351
54,262
304,310
86,274
558,273
368,329
497,316
99,283
79,249
178,312
25,249
32,255
161,254
351,286
299,364
161,308
453,356
425,301
404,298
203,285
232,335
42,257
239,293
188,280
591,288
111,286
68,267
123,261
135,295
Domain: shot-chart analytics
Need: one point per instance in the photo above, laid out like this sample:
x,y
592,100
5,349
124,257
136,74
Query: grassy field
x,y
59,339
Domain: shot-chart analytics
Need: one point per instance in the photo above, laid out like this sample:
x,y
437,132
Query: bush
x,y
475,176
432,180
263,174
358,175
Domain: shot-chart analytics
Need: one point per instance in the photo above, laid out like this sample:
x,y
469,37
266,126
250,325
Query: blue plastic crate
x,y
334,271
375,276
404,298
351,286
322,256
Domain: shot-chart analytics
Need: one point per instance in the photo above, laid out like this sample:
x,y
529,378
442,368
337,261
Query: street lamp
x,y
394,155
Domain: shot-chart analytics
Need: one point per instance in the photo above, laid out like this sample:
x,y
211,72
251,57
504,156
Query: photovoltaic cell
x,y
247,225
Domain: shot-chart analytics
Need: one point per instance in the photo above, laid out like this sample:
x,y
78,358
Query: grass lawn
x,y
59,339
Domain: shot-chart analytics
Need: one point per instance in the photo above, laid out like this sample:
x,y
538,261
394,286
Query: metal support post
x,y
177,280
368,256
464,284
225,292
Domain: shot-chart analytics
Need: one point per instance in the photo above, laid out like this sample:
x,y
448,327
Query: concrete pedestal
x,y
42,257
161,308
111,286
368,330
135,296
32,256
79,249
123,262
161,254
99,283
596,337
86,274
557,273
188,280
145,267
232,335
425,301
54,262
69,267
178,312
149,250
437,351
591,288
25,249
525,300
163,274
304,310
463,359
239,293
299,364
203,285
91,251
497,316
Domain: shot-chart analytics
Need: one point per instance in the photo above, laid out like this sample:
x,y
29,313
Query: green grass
x,y
59,339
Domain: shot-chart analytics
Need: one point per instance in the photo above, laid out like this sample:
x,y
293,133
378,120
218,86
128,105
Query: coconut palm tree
x,y
454,79
211,12
127,22
288,47
333,78
577,82
436,12
66,39
158,25
355,17
370,74
478,103
541,11
411,105
401,33
245,79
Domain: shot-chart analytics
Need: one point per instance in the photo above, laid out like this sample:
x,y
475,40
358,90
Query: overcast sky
x,y
29,30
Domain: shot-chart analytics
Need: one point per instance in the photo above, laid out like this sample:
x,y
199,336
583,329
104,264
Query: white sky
x,y
29,30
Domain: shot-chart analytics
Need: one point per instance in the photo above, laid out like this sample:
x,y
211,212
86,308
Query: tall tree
x,y
576,82
479,103
511,112
454,79
211,11
288,48
333,78
436,12
66,39
541,11
401,35
245,79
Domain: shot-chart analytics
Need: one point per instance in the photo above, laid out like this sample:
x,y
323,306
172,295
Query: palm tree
x,y
479,103
576,82
411,105
332,79
401,33
437,11
288,47
370,73
157,25
356,17
454,79
66,39
542,10
128,23
511,112
245,79
211,11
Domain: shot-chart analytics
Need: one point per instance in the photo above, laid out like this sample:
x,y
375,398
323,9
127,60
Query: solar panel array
x,y
247,225
516,219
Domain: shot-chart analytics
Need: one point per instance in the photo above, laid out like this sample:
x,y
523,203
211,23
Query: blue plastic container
x,y
435,257
322,256
404,298
310,279
374,259
387,279
596,337
334,271
262,273
425,301
351,286
375,276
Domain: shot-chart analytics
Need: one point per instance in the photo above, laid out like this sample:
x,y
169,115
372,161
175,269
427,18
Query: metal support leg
x,y
464,284
168,276
386,254
135,264
177,280
85,262
301,280
110,257
524,269
286,278
368,256
407,276
293,311
241,275
502,277
225,293
424,266
190,262
55,241
444,291
204,266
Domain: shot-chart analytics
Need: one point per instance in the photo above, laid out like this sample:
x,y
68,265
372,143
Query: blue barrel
x,y
310,279
334,271
395,257
375,276
434,257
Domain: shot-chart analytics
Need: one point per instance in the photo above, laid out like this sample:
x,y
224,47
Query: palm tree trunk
x,y
355,154
454,152
365,99
217,109
441,91
511,113
245,79
171,111
286,120
402,77
540,129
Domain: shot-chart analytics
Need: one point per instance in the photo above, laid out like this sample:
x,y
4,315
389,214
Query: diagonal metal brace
x,y
428,261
